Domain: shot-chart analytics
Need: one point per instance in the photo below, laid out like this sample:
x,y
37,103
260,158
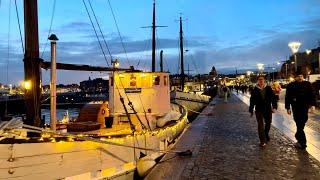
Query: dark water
x,y
73,113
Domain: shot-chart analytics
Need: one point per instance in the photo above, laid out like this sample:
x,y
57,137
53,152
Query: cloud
x,y
266,50
90,52
78,45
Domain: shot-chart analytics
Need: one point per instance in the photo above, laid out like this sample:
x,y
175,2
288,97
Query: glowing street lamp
x,y
260,67
308,51
294,47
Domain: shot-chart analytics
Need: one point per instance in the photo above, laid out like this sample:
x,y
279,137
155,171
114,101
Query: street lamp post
x,y
273,73
294,47
308,52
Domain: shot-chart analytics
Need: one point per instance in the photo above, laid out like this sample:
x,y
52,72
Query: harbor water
x,y
73,113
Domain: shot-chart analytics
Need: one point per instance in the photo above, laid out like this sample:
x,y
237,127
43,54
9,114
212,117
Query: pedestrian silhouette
x,y
300,97
264,102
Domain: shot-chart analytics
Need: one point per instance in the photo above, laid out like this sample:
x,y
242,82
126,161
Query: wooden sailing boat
x,y
145,126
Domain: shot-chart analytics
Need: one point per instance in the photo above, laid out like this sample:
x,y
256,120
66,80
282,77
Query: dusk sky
x,y
227,34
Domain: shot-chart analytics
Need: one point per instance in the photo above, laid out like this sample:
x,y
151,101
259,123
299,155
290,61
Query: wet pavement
x,y
285,124
225,145
314,117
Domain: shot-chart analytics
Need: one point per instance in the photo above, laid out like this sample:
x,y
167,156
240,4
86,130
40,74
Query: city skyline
x,y
225,34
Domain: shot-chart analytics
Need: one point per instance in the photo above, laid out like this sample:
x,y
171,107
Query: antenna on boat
x,y
182,78
154,26
161,61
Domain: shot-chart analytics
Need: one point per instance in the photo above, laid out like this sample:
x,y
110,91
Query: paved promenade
x,y
286,125
225,145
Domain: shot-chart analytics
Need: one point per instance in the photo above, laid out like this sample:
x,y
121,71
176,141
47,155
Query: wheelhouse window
x,y
133,80
156,80
165,80
144,80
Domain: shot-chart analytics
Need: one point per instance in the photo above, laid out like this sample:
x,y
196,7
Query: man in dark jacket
x,y
300,96
264,101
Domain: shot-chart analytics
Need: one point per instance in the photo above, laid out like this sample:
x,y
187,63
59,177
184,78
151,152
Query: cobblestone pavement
x,y
225,145
314,117
230,150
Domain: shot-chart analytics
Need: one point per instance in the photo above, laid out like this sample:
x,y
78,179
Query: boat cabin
x,y
148,91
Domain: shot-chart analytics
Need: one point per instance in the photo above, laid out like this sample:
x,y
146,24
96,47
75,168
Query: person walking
x,y
300,97
226,92
264,102
237,87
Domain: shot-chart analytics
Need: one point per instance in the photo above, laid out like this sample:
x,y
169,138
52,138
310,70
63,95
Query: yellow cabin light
x,y
27,85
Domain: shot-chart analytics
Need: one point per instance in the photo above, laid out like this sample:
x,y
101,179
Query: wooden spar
x,y
154,38
154,26
32,71
181,57
82,67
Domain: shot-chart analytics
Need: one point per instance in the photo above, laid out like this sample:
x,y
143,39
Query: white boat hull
x,y
193,102
85,159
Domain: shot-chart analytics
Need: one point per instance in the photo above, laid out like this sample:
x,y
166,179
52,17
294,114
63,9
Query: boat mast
x,y
154,38
181,57
161,61
32,71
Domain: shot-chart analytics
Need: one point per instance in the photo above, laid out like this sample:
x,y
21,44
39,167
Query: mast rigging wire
x,y
50,27
95,31
17,13
8,57
104,40
132,106
119,34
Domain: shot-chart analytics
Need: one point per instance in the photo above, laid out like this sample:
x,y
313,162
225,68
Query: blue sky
x,y
225,34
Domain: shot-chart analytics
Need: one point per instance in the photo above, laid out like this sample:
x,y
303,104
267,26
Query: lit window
x,y
111,81
165,80
133,81
156,80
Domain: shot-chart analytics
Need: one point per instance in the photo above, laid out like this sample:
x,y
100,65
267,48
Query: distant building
x,y
307,62
61,88
95,86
